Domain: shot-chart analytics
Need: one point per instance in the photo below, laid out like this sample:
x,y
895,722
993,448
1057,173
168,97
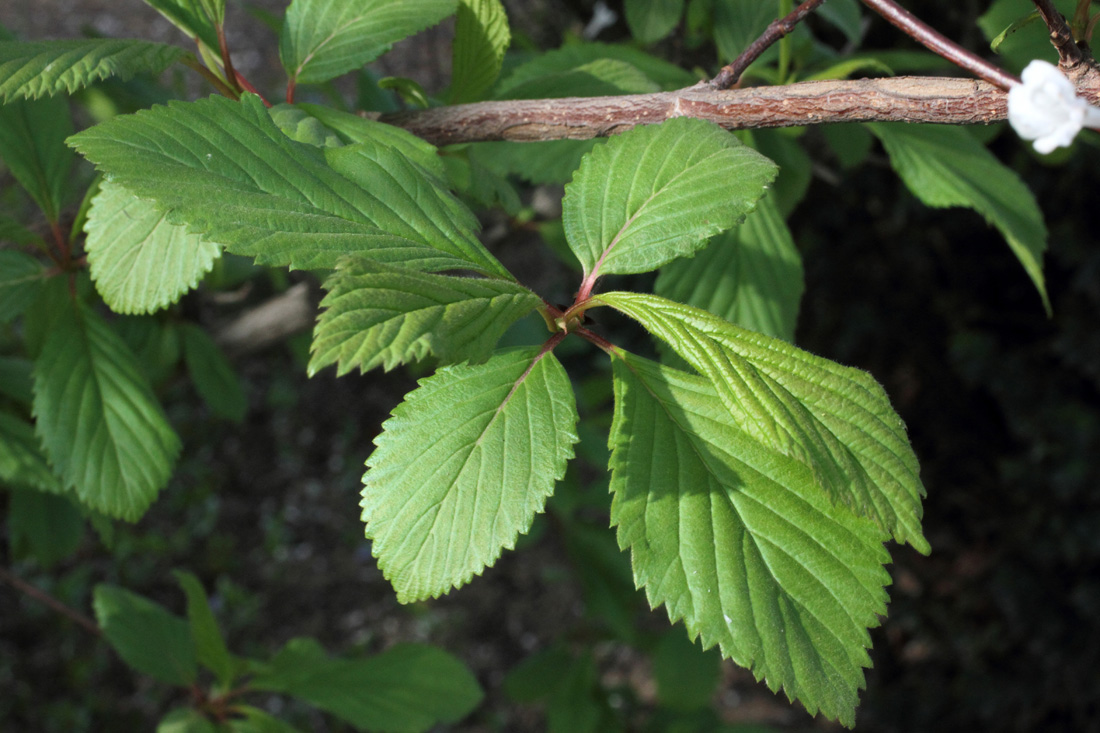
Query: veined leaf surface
x,y
945,166
658,192
20,276
481,38
835,420
226,171
44,68
738,543
652,20
751,275
21,459
146,635
97,417
379,315
141,262
322,39
32,146
463,466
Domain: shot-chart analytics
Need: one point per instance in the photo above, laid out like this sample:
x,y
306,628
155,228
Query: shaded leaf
x,y
944,166
686,676
48,527
735,540
22,462
652,20
98,419
737,23
147,637
140,261
481,38
667,76
210,648
192,18
44,68
463,466
658,192
322,39
751,275
32,145
20,276
226,171
216,381
378,315
598,78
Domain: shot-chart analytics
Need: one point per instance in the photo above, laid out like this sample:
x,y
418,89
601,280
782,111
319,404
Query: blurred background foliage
x,y
996,630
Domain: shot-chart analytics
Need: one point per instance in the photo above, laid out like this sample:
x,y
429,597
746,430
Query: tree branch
x,y
729,75
1069,53
905,99
43,597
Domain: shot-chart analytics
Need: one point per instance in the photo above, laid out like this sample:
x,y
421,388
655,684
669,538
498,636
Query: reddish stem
x,y
47,599
778,28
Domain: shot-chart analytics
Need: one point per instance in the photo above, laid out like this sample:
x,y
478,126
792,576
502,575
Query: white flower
x,y
1046,108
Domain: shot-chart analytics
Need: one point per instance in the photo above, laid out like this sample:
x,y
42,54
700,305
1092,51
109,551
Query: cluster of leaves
x,y
753,484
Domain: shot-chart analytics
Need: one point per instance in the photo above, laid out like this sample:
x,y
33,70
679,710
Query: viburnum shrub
x,y
755,485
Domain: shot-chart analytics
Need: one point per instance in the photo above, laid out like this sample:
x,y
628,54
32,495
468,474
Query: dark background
x,y
996,630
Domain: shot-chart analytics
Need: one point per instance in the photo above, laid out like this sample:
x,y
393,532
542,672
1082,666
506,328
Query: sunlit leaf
x,y
481,38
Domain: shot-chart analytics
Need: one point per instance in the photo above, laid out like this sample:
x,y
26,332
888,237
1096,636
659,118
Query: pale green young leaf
x,y
945,166
408,687
835,420
226,171
97,417
21,460
652,20
32,146
658,192
147,636
214,378
463,466
44,68
734,539
20,275
667,76
322,39
751,275
481,38
141,262
377,315
190,17
737,23
210,648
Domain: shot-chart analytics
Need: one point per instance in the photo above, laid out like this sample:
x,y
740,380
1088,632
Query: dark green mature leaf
x,y
149,638
659,192
686,676
834,420
20,275
226,171
32,145
141,262
15,379
322,39
737,23
751,275
667,76
845,16
97,417
599,78
49,527
21,459
210,648
734,539
44,68
463,466
12,231
481,38
945,166
408,687
213,375
652,20
384,316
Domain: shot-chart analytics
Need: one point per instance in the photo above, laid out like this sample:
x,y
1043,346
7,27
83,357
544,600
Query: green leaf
x,y
322,39
258,721
667,76
751,275
46,526
210,648
659,192
737,23
481,38
845,16
213,375
599,78
463,466
686,676
408,687
15,379
384,316
192,18
944,166
147,637
14,232
141,262
739,544
44,68
836,421
652,20
226,171
32,145
20,275
545,161
98,419
185,720
21,460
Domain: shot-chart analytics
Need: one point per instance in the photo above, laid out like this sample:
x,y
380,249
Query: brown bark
x,y
904,99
